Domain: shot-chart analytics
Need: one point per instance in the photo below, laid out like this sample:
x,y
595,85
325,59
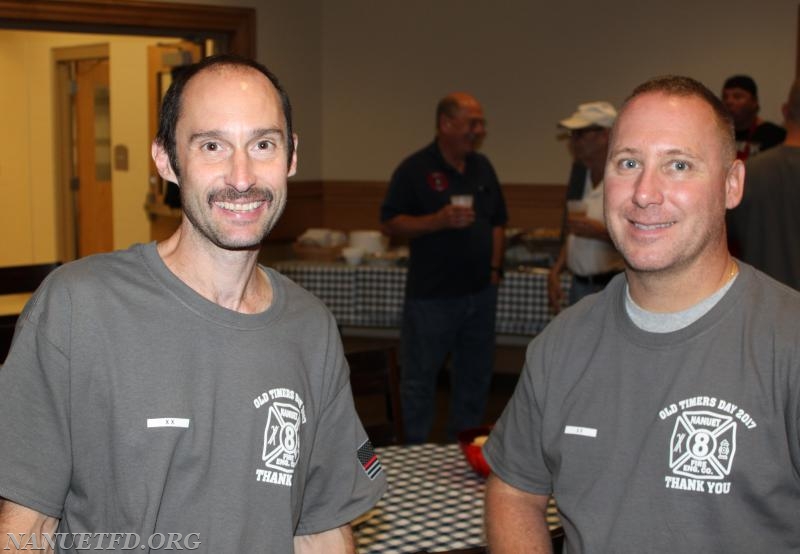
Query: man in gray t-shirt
x,y
662,413
178,395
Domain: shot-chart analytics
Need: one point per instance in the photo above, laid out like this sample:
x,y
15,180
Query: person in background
x,y
586,249
178,389
662,412
765,227
753,134
447,201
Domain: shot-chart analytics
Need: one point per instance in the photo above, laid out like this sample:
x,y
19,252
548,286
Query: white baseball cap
x,y
591,114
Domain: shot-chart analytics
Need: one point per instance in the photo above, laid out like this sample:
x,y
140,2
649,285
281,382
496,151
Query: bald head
x,y
460,125
452,103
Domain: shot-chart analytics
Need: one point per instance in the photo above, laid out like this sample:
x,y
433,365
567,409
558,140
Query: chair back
x,y
375,381
15,280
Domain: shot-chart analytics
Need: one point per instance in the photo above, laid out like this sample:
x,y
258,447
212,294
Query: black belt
x,y
596,279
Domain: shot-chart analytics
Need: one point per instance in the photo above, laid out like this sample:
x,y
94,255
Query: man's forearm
x,y
334,541
498,246
19,521
515,520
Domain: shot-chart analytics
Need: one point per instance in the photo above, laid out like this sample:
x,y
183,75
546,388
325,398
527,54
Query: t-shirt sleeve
x,y
514,450
35,457
339,487
399,197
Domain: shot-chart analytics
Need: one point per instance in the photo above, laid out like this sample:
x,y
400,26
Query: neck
x,y
746,125
228,278
679,289
452,156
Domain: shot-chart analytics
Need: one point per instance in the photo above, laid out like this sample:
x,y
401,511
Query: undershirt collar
x,y
654,322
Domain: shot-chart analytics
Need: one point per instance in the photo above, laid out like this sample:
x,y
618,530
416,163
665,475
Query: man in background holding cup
x,y
446,200
586,250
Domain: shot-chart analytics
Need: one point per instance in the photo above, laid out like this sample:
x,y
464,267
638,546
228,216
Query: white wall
x,y
289,40
364,79
385,65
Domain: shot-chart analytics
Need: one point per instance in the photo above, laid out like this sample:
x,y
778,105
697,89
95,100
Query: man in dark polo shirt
x,y
447,201
753,134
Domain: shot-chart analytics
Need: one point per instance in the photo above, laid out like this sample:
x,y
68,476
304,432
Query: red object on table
x,y
473,452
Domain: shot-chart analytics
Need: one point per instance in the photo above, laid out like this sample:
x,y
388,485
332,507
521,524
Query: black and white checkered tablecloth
x,y
371,296
434,502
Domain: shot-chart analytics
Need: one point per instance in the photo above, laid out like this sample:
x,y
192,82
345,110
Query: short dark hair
x,y
171,105
678,85
744,82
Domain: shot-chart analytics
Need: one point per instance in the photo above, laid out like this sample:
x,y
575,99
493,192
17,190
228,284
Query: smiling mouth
x,y
652,226
239,208
240,202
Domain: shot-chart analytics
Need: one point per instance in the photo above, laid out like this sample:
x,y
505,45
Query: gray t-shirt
x,y
133,405
686,441
765,227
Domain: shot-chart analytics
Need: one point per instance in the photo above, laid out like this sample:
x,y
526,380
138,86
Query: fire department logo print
x,y
437,181
703,445
281,445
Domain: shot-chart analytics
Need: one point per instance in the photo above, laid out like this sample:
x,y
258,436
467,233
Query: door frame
x,y
67,225
232,27
235,27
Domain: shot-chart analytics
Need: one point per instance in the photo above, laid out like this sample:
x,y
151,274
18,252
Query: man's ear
x,y
293,161
163,165
734,184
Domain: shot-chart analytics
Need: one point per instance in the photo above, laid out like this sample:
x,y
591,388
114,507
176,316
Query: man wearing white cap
x,y
586,250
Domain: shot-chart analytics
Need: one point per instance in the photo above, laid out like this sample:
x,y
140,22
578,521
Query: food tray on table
x,y
317,253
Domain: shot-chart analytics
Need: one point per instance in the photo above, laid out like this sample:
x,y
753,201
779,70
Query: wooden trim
x,y
348,205
532,206
304,209
237,26
82,52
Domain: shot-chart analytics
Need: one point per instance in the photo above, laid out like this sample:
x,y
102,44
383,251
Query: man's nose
x,y
648,189
241,175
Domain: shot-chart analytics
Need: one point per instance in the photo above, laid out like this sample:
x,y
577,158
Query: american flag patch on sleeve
x,y
369,460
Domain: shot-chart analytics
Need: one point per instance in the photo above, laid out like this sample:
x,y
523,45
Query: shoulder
x,y
298,299
769,310
766,162
96,271
481,160
423,159
770,298
770,133
771,128
579,323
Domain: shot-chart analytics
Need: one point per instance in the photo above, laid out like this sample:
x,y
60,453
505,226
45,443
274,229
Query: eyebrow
x,y
669,152
216,134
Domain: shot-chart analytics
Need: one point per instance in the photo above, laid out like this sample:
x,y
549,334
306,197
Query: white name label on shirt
x,y
582,431
168,422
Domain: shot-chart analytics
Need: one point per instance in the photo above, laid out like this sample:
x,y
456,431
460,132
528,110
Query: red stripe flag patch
x,y
369,460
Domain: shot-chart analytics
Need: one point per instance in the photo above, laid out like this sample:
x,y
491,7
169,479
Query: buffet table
x,y
372,296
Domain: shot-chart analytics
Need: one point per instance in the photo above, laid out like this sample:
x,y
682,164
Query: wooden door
x,y
92,101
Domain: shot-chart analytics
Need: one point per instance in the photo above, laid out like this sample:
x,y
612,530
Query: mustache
x,y
233,195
